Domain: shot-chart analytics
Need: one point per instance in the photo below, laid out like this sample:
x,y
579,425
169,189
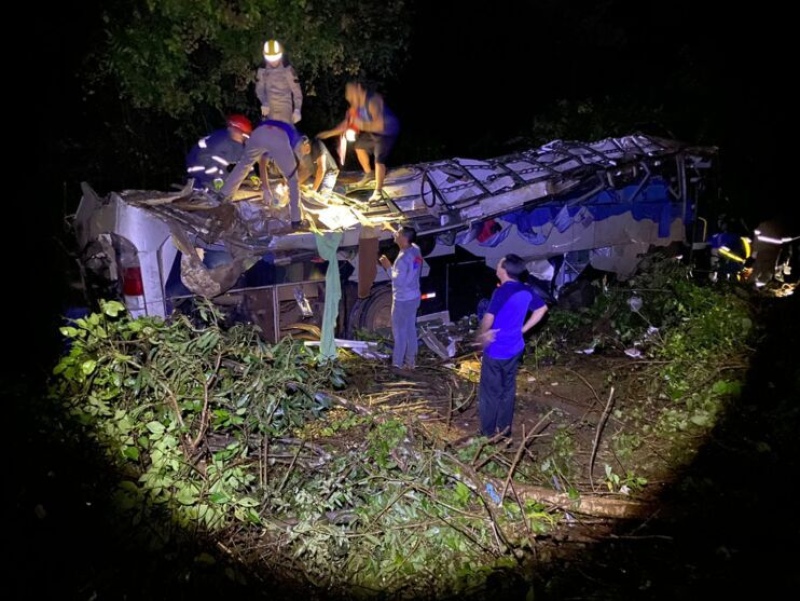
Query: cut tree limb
x,y
591,505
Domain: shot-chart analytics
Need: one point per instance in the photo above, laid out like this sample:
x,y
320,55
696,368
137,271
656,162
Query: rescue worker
x,y
278,87
319,166
211,159
730,252
376,127
281,143
730,255
772,251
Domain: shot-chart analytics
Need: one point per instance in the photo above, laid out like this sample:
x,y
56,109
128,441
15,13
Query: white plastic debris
x,y
635,303
364,348
589,350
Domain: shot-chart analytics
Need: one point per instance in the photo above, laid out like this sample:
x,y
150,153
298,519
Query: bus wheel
x,y
375,312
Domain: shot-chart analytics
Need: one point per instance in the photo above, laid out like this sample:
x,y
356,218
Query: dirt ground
x,y
445,392
580,393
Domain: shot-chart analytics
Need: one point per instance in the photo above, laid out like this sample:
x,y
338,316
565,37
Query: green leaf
x,y
462,492
157,429
206,559
186,496
219,498
112,308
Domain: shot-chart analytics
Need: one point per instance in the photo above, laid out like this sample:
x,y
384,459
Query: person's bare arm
x,y
335,131
485,332
322,167
535,318
262,171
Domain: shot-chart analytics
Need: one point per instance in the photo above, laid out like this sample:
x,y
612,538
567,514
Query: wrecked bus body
x,y
564,207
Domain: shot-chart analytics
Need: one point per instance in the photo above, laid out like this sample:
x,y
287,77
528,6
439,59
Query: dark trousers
x,y
497,394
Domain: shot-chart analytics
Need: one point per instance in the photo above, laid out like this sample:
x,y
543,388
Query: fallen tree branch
x,y
207,383
599,431
585,381
356,408
523,445
289,469
590,505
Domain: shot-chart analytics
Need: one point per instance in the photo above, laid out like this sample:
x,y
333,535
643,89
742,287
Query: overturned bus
x,y
565,207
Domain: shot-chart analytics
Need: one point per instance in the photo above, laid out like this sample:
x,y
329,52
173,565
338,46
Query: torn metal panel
x,y
624,193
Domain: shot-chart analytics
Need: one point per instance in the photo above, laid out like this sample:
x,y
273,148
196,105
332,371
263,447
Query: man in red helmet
x,y
212,158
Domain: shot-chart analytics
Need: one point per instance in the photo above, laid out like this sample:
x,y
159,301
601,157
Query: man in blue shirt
x,y
281,143
513,310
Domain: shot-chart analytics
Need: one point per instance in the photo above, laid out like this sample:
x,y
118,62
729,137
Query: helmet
x,y
241,123
273,51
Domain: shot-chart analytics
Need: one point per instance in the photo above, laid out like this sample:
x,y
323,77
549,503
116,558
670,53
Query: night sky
x,y
497,66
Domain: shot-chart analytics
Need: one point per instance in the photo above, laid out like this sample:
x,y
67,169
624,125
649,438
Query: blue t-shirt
x,y
391,124
291,131
510,305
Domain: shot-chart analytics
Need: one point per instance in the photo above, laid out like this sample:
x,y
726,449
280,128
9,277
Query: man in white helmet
x,y
278,87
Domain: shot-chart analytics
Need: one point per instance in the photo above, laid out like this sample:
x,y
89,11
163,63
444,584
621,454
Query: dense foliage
x,y
175,56
211,429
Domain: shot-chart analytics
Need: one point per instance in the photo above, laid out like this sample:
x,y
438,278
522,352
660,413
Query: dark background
x,y
479,76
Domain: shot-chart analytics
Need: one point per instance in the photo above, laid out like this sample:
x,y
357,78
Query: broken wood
x,y
591,505
599,432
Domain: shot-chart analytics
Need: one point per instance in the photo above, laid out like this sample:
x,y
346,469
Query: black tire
x,y
374,314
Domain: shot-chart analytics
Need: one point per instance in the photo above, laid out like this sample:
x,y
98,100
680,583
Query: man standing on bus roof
x,y
278,87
